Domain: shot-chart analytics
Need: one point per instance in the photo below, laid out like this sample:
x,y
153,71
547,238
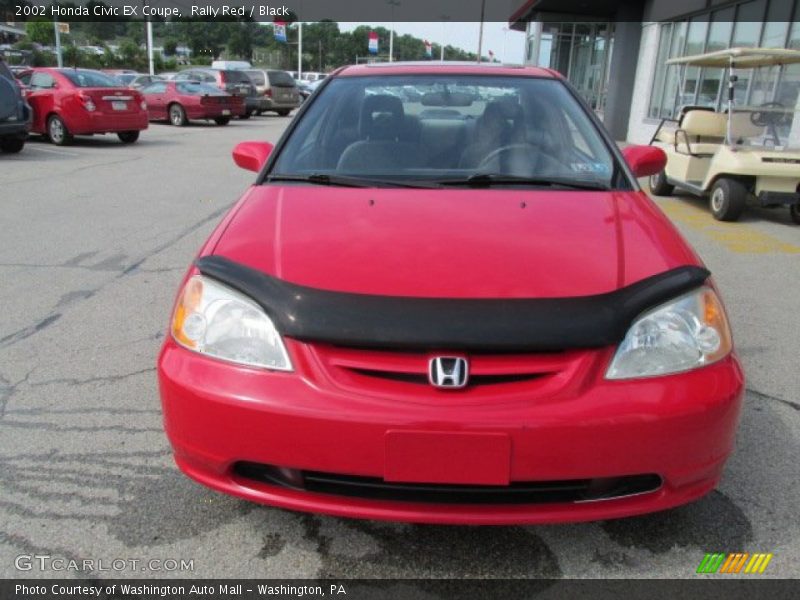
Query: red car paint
x,y
195,106
68,102
331,416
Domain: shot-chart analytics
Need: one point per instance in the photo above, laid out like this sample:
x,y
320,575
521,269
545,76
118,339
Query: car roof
x,y
444,68
742,58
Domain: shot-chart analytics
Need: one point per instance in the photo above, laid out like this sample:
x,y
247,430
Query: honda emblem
x,y
450,372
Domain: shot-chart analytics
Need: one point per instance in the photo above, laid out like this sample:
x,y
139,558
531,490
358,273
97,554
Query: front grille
x,y
404,374
374,488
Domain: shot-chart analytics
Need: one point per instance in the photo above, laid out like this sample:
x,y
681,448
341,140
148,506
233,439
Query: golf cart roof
x,y
742,58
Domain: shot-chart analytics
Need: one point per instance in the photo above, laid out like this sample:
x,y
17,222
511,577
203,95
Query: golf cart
x,y
744,155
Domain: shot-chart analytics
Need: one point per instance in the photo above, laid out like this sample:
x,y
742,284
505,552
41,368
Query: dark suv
x,y
15,114
236,83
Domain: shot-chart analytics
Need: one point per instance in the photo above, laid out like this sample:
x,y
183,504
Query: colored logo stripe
x,y
734,562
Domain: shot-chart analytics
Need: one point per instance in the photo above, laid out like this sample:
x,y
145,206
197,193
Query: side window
x,y
209,78
42,81
183,76
155,88
26,79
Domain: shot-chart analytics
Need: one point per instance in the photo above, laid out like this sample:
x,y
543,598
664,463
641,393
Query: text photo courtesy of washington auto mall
x,y
383,299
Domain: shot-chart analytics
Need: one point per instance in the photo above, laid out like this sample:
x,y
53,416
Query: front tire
x,y
177,116
728,199
12,145
284,113
247,114
222,120
57,131
794,212
659,185
128,137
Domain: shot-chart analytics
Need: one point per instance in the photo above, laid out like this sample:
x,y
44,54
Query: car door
x,y
41,97
156,97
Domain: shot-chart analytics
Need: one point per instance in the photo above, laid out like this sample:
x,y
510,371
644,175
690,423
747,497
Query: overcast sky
x,y
461,35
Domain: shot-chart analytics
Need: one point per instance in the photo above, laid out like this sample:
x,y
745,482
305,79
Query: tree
x,y
40,32
170,46
131,54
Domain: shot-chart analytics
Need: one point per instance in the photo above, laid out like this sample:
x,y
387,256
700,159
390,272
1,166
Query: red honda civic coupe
x,y
180,101
70,102
453,306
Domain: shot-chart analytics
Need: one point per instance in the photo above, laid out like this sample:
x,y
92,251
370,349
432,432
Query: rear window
x,y
235,77
195,89
257,77
280,79
86,79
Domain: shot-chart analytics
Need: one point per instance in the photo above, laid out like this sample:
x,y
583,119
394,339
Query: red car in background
x,y
180,101
70,102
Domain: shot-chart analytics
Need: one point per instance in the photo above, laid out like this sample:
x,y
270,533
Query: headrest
x,y
381,117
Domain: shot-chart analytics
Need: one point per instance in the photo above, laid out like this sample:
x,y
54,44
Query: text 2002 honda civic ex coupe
x,y
451,306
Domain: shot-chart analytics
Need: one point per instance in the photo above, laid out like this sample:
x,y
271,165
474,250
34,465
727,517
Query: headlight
x,y
683,334
213,319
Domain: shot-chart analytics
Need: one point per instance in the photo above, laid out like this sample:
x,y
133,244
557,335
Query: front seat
x,y
381,149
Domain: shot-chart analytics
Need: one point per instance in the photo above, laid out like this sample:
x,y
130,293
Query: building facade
x,y
614,52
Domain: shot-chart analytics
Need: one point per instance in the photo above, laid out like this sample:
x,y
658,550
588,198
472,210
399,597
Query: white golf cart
x,y
743,155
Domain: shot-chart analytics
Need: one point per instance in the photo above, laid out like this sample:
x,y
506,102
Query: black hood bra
x,y
503,324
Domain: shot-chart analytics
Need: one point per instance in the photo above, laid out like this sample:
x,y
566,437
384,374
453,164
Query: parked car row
x,y
61,103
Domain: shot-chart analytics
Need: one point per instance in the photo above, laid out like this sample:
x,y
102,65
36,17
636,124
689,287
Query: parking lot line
x,y
736,237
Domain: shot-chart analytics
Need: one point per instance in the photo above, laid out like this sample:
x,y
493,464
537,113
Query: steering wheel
x,y
496,155
766,118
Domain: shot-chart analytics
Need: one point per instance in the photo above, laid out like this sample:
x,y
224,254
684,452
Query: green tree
x,y
170,46
40,32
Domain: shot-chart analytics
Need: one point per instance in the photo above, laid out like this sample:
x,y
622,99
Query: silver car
x,y
277,88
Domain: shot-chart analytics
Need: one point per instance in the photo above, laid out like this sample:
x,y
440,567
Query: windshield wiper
x,y
490,179
348,181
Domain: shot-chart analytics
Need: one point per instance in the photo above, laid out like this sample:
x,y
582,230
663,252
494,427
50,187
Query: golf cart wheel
x,y
12,145
728,199
659,185
57,131
177,116
794,212
128,137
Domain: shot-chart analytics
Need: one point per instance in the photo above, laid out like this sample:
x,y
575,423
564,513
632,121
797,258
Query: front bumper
x,y
679,427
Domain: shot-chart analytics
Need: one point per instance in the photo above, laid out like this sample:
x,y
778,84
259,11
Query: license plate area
x,y
447,457
119,105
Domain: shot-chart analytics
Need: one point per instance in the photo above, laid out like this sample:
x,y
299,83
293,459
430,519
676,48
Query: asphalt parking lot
x,y
95,238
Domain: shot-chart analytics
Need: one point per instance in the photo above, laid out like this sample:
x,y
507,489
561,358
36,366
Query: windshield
x,y
447,128
86,79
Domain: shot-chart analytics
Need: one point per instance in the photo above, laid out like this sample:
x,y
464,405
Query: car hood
x,y
452,243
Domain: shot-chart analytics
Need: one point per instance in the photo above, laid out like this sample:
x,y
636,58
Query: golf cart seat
x,y
700,133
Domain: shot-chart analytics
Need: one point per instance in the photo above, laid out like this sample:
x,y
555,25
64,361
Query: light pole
x,y
299,49
149,37
444,19
392,3
59,55
480,31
